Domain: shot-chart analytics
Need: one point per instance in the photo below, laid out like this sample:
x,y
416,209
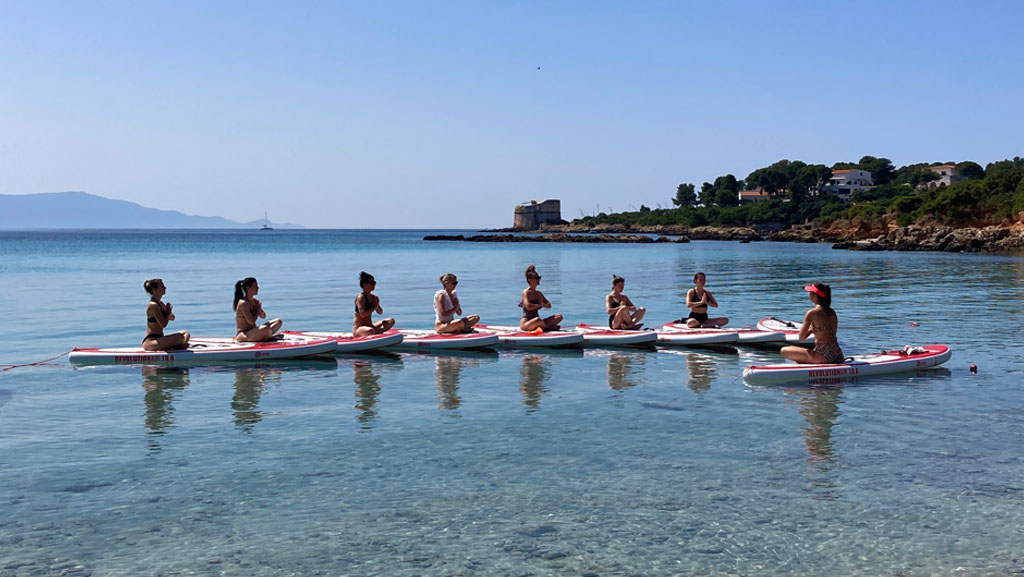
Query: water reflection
x,y
160,384
701,370
820,409
250,384
448,373
625,369
535,373
367,372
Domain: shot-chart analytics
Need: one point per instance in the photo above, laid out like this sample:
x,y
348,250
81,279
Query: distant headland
x,y
80,210
864,205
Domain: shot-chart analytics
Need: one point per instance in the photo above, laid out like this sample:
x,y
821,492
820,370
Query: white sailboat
x,y
266,223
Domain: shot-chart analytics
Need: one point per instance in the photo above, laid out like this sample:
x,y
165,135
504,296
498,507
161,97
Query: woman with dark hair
x,y
446,306
248,309
158,314
622,313
698,299
368,303
823,322
532,301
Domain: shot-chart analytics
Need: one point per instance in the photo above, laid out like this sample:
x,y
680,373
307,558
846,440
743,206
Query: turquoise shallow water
x,y
600,462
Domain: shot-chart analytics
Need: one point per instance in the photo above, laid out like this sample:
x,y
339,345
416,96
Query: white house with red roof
x,y
845,182
947,174
754,195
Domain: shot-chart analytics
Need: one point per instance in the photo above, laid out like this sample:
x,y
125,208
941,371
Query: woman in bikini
x,y
248,309
698,299
368,303
158,314
532,301
446,306
622,313
823,322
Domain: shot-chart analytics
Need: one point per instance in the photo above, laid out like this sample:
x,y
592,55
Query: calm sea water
x,y
600,462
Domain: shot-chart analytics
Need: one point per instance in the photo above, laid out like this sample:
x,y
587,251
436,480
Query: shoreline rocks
x,y
558,237
864,236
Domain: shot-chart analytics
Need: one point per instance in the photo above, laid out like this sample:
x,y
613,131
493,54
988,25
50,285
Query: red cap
x,y
813,289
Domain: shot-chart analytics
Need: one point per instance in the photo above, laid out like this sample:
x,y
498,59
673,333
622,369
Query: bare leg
x,y
363,331
385,325
716,323
171,342
622,320
803,356
552,323
693,323
533,324
468,322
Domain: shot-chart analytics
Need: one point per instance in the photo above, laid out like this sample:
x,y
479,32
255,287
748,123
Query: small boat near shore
x,y
350,344
208,350
907,359
514,337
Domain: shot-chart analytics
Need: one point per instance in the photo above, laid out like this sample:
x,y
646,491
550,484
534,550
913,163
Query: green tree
x,y
686,195
970,170
881,169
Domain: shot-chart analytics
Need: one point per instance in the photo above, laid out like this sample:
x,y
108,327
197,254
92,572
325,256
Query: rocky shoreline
x,y
867,236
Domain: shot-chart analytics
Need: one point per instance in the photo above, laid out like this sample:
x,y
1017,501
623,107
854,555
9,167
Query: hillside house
x,y
847,181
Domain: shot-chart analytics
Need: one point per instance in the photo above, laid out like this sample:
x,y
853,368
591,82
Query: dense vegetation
x,y
986,195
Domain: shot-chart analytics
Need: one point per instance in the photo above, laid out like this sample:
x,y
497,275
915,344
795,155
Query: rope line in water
x,y
5,368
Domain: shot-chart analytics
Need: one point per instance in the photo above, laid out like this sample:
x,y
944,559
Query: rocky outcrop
x,y
943,238
558,237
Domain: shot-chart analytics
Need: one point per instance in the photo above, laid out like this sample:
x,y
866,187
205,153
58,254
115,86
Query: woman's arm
x,y
691,299
805,328
455,303
608,309
710,298
244,308
156,311
531,306
376,307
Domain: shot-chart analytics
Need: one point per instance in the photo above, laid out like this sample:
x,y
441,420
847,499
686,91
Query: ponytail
x,y
240,288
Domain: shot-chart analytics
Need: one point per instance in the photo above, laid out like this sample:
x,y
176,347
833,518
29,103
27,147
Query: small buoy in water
x,y
974,369
913,324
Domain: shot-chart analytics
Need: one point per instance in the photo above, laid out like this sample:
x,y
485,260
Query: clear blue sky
x,y
447,114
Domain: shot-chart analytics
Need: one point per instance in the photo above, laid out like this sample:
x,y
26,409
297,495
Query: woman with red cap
x,y
823,322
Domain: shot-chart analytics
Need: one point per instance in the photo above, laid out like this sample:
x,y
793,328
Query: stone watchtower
x,y
530,215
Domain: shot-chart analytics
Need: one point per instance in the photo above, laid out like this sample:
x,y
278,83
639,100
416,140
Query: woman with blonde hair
x,y
447,306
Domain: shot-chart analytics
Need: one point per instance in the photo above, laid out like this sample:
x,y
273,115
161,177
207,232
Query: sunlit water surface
x,y
595,462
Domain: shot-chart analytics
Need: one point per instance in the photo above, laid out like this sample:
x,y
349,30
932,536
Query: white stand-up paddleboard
x,y
678,334
430,340
208,350
602,337
789,328
349,344
512,336
907,359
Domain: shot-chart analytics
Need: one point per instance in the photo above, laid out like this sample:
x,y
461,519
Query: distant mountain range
x,y
82,210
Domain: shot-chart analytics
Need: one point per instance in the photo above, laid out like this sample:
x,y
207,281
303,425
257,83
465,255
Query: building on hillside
x,y
753,195
947,174
530,215
847,181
